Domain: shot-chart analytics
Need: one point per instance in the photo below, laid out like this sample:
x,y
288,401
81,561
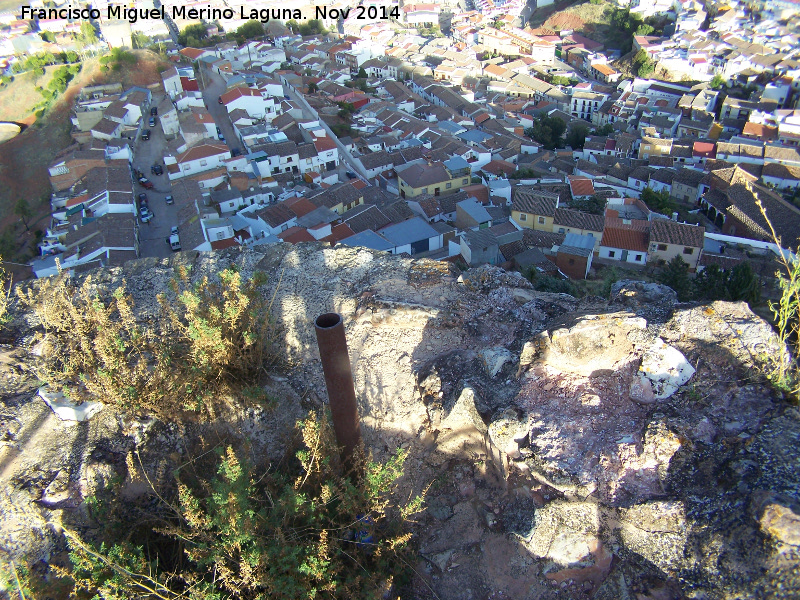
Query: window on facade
x,y
561,230
221,235
203,163
541,220
523,217
638,258
688,250
611,254
424,190
464,182
662,247
448,186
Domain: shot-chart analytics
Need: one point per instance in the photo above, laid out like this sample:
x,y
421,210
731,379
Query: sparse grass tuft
x,y
785,374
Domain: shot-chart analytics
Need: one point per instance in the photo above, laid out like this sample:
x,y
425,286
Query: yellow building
x,y
534,209
433,178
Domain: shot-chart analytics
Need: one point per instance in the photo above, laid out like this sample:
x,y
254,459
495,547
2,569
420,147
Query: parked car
x,y
154,111
221,137
174,242
350,175
146,135
169,200
173,230
219,131
156,169
152,122
145,215
142,199
219,100
146,183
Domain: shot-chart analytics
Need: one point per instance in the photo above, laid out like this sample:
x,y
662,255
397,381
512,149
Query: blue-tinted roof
x,y
475,210
408,232
450,127
577,240
456,163
473,135
368,239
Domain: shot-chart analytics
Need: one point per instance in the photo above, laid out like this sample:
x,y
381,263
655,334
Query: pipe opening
x,y
328,320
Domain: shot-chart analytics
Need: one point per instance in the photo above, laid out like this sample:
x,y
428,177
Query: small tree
x,y
312,88
362,74
717,82
23,210
676,275
657,201
606,129
576,137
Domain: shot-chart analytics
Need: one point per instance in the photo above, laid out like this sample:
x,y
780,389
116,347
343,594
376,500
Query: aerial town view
x,y
455,299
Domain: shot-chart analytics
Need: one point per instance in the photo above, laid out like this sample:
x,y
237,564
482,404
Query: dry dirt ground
x,y
24,159
581,17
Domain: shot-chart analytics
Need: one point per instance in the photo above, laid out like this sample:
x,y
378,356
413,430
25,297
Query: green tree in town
x,y
576,137
193,35
710,284
717,82
547,131
659,202
604,130
250,30
743,284
140,40
675,274
362,74
87,35
312,88
48,36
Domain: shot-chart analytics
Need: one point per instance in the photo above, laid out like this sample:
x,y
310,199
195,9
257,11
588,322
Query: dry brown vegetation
x,y
214,337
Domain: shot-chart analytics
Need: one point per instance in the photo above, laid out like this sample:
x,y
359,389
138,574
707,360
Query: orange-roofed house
x,y
624,240
294,235
758,131
193,54
703,151
603,72
581,187
300,206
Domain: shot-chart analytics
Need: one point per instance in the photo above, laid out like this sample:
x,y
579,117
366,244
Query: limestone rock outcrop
x,y
553,470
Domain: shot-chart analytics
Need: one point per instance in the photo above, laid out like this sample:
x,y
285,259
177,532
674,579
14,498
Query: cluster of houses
x,y
431,158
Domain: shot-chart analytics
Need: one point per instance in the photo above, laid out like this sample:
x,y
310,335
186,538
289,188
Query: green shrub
x,y
216,338
307,531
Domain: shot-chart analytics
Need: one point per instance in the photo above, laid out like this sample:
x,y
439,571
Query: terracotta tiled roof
x,y
294,235
625,237
579,220
681,234
581,186
535,202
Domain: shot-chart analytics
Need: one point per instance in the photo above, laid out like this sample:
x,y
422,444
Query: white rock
x,y
666,369
495,358
66,409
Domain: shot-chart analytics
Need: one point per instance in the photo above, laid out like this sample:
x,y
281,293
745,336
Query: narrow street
x,y
152,235
213,87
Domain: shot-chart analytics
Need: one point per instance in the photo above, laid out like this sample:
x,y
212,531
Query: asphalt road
x,y
214,88
152,235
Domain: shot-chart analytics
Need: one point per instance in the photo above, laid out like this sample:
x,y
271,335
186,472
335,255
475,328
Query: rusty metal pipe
x,y
339,381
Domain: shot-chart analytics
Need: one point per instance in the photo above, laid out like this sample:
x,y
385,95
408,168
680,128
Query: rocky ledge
x,y
608,449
